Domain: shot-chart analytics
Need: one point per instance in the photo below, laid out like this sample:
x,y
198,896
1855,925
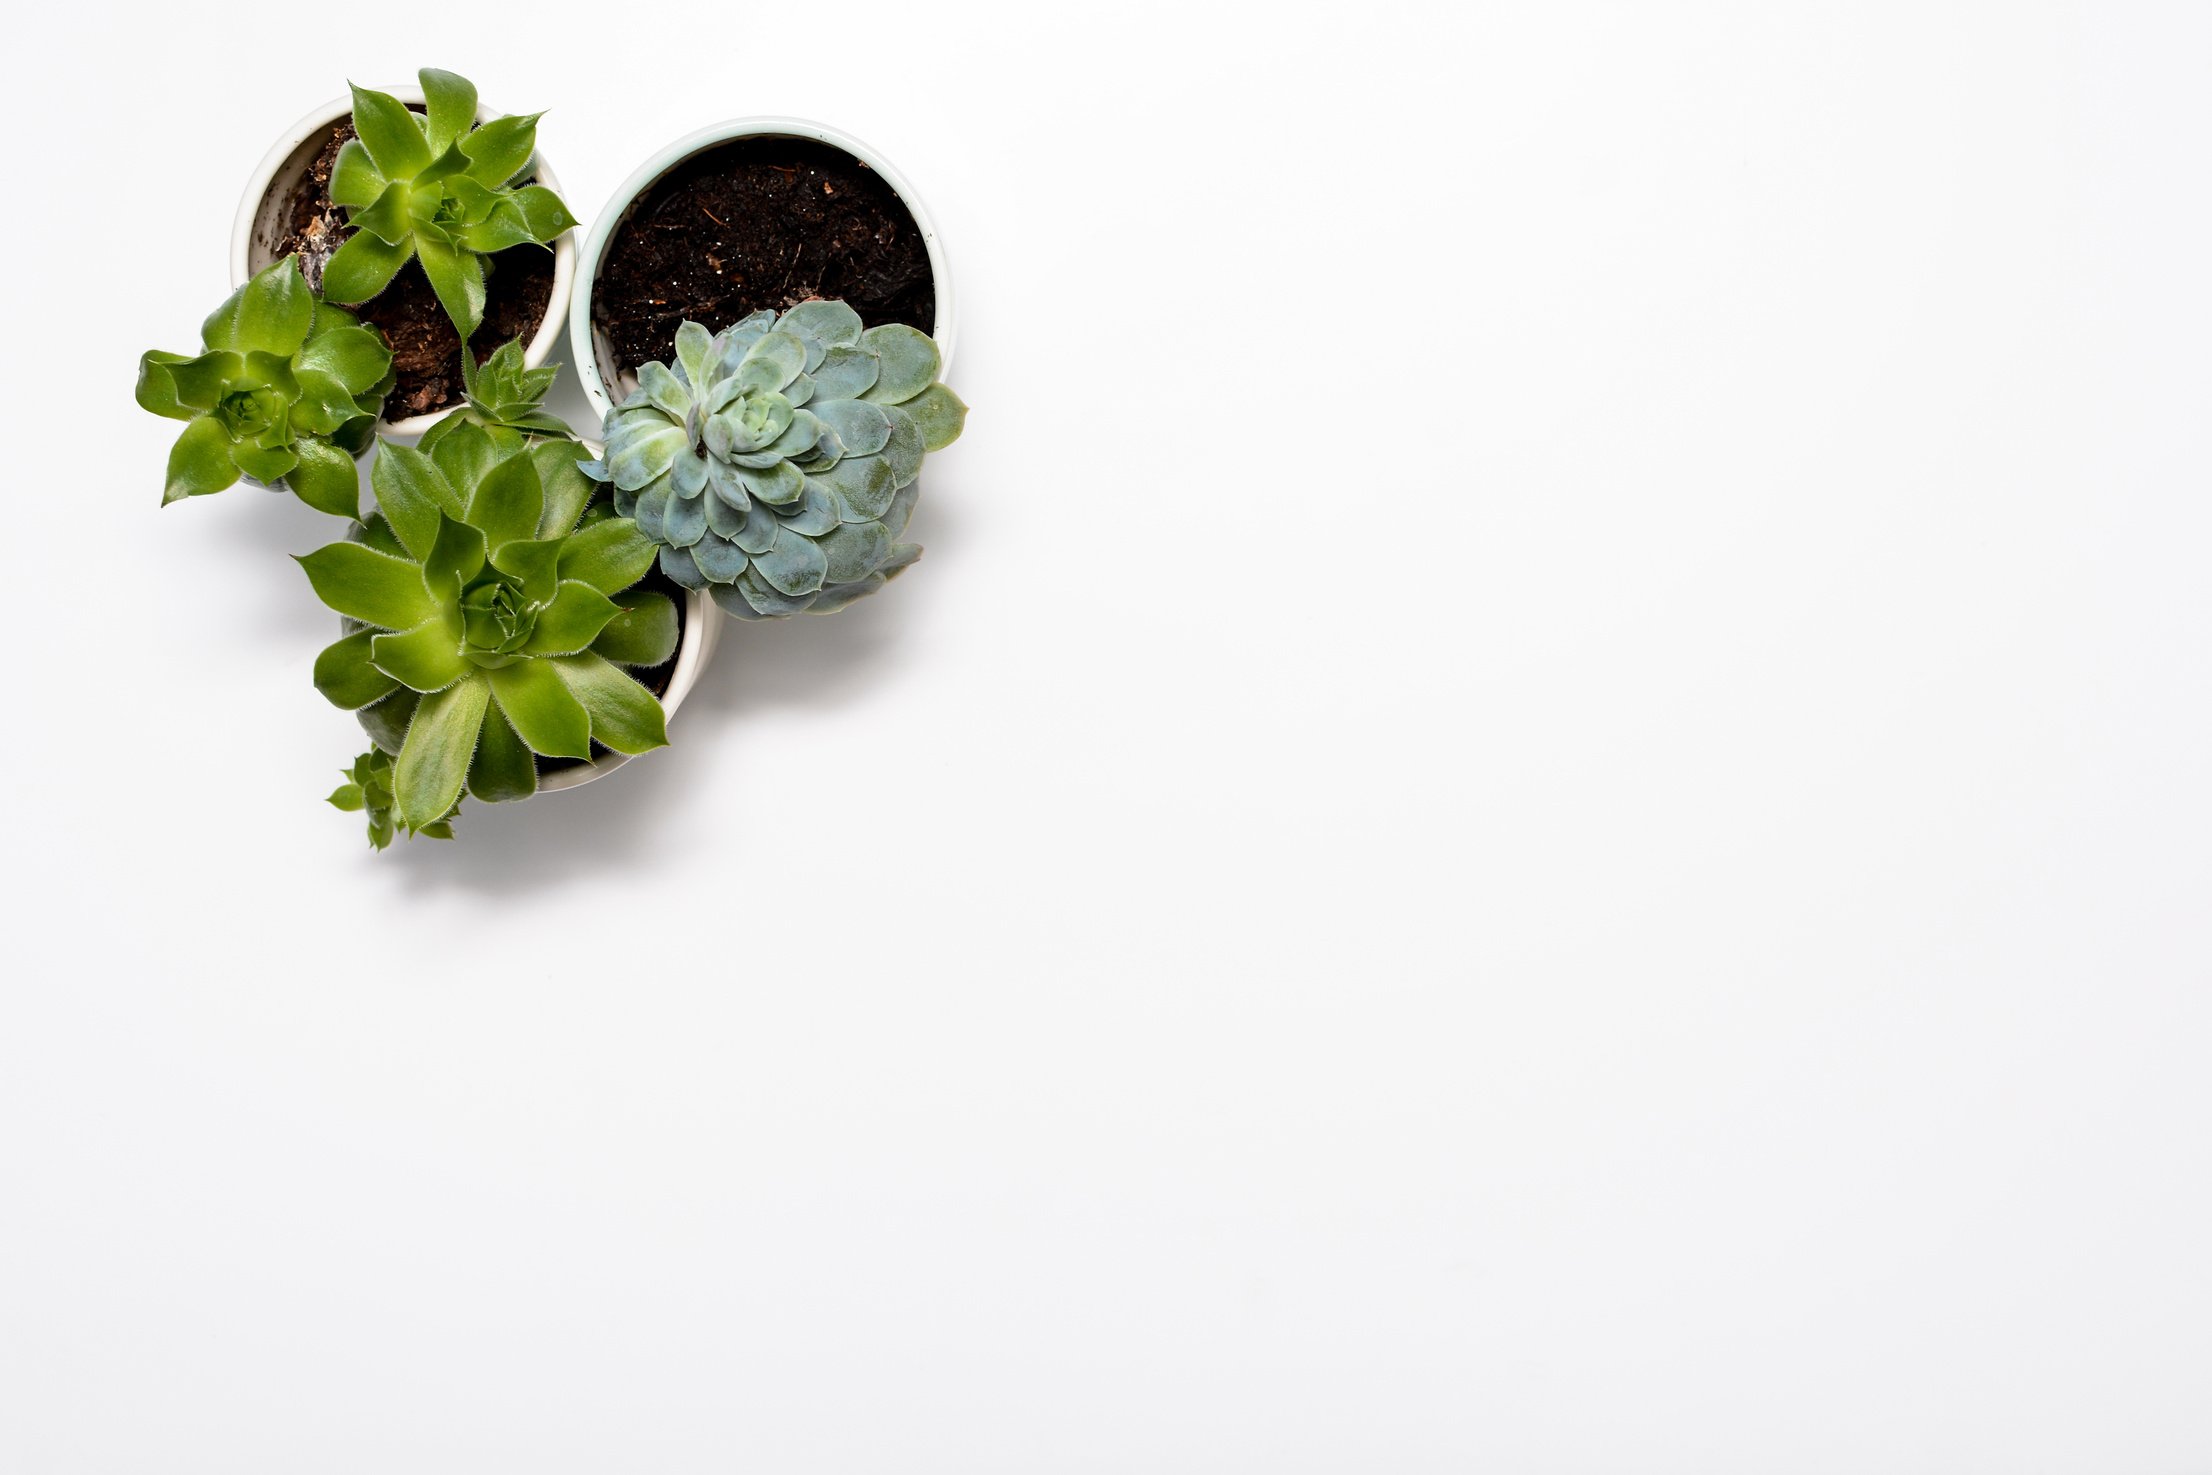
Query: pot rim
x,y
582,351
542,343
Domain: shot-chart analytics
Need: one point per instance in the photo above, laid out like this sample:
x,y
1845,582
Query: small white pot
x,y
255,232
594,357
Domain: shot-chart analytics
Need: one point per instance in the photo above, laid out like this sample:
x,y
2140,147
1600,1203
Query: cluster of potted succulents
x,y
761,317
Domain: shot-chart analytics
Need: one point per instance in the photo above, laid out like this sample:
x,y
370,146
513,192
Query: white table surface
x,y
1543,805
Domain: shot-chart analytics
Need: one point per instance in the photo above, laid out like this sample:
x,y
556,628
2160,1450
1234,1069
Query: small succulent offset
x,y
775,462
490,620
504,394
368,787
434,187
285,390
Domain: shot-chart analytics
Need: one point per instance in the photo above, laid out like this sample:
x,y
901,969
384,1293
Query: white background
x,y
1543,806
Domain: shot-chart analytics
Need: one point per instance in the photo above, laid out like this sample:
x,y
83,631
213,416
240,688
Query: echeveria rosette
x,y
285,390
433,186
491,622
775,462
368,790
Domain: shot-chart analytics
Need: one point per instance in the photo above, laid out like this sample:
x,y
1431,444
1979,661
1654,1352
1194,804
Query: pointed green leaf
x,y
362,267
323,404
567,490
157,385
388,218
499,150
441,739
201,382
451,100
502,226
508,501
392,134
455,558
265,464
200,462
355,181
426,658
386,722
543,213
326,478
464,451
457,276
445,166
372,587
504,768
355,357
535,561
571,622
624,715
412,491
348,798
377,533
219,330
644,633
344,675
610,556
545,713
273,311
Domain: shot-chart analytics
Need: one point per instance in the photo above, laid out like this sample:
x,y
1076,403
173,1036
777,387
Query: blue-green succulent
x,y
775,462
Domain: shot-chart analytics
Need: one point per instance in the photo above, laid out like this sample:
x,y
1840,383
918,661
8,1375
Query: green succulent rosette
x,y
434,187
492,620
775,463
285,392
505,396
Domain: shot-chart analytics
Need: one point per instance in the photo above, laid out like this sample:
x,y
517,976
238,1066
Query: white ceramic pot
x,y
594,357
257,229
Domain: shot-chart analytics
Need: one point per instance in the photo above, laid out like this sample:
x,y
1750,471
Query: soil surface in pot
x,y
655,679
754,223
426,349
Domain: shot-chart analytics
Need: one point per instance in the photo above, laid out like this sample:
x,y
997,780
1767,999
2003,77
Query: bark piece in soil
x,y
754,223
426,349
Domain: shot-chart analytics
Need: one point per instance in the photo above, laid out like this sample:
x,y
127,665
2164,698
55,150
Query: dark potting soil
x,y
754,223
654,678
426,350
